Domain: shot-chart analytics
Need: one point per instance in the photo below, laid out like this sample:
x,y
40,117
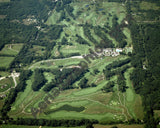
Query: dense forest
x,y
145,59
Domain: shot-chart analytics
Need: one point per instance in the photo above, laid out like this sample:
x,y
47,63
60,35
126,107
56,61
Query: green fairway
x,y
127,33
5,61
77,48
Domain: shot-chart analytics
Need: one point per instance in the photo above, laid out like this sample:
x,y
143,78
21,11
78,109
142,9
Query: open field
x,y
147,6
81,49
5,61
11,49
4,74
4,1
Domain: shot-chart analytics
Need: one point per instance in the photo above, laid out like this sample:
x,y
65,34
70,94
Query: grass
x,y
7,83
4,74
56,63
77,48
127,33
148,6
157,113
133,100
23,126
11,49
5,61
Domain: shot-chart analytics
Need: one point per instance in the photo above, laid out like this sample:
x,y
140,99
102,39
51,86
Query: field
x,y
11,49
8,53
5,61
148,6
4,0
6,84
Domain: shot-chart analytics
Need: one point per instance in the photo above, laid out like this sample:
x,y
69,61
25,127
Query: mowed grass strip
x,y
77,48
5,61
4,1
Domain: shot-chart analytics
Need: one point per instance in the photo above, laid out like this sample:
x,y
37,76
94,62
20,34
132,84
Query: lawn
x,y
4,74
77,48
5,61
148,6
6,84
11,49
119,126
4,0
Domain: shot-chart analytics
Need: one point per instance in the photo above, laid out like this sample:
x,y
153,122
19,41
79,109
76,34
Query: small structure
x,y
3,86
119,50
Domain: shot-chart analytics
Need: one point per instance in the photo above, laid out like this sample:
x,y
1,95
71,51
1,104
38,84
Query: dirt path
x,y
123,104
1,78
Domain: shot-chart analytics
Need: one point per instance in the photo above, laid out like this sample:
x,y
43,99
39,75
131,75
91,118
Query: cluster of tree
x,y
55,32
87,33
61,5
64,41
80,40
145,59
21,9
105,42
64,79
108,87
121,82
117,33
116,64
53,123
84,83
25,74
39,80
13,32
69,10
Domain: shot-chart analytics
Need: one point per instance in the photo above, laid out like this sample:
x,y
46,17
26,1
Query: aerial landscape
x,y
79,63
